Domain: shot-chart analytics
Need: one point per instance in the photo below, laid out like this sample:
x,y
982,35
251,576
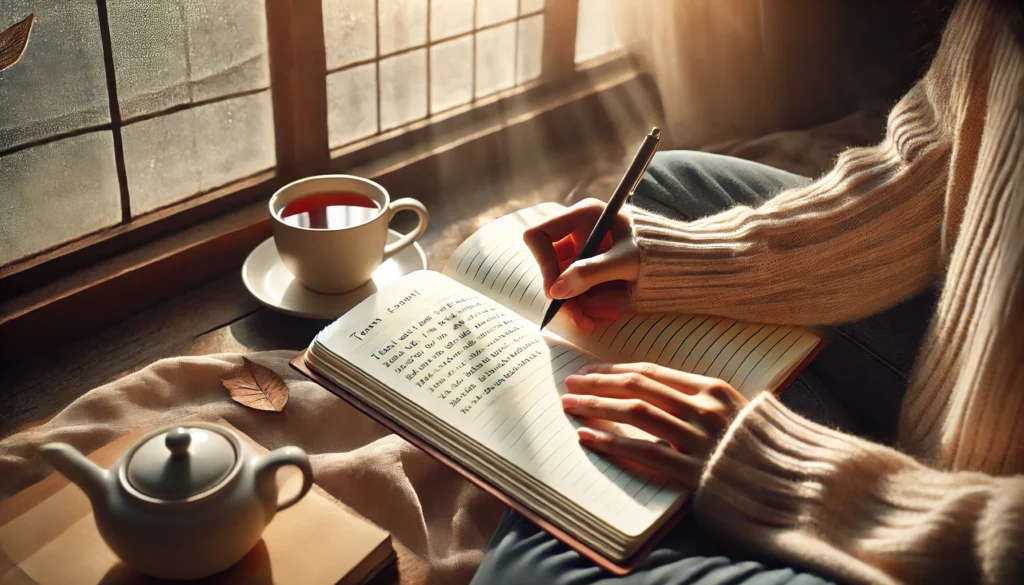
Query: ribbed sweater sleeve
x,y
865,513
858,240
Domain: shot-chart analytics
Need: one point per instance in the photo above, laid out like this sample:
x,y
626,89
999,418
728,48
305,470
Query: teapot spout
x,y
93,479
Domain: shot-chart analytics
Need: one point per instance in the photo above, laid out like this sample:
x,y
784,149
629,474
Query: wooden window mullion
x,y
298,78
559,52
115,109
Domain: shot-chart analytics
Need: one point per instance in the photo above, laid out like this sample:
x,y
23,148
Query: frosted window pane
x,y
451,74
160,160
234,139
492,11
150,56
403,89
495,59
528,6
593,29
450,17
60,83
196,150
228,46
403,24
56,192
350,31
531,45
168,53
352,104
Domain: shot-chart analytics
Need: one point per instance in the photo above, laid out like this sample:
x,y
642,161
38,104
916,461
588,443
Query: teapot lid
x,y
181,462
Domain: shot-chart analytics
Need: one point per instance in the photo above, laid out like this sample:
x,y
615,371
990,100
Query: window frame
x,y
298,78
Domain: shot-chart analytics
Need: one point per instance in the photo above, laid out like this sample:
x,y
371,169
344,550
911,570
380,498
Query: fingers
x,y
588,311
683,469
640,414
544,252
541,238
691,398
601,305
557,240
688,411
565,250
620,262
710,403
628,386
685,382
578,316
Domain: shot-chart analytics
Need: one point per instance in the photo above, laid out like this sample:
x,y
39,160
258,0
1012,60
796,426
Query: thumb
x,y
621,262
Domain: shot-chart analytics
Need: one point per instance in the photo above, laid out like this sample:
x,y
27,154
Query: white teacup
x,y
331,259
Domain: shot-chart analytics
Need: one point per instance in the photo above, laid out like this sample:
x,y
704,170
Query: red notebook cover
x,y
617,568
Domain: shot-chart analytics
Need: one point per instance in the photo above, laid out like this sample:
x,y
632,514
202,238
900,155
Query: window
x,y
193,85
595,30
128,112
57,172
394,62
190,111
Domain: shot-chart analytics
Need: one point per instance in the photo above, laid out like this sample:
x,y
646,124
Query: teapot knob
x,y
178,441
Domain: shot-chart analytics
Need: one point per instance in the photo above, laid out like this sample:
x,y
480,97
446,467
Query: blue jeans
x,y
856,383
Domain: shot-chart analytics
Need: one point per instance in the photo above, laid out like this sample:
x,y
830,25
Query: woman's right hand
x,y
557,241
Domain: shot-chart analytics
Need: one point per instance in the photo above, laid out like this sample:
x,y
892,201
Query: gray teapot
x,y
185,501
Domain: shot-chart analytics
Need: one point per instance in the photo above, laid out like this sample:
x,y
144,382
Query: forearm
x,y
855,510
862,238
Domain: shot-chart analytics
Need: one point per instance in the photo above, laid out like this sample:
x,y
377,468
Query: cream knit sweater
x,y
942,197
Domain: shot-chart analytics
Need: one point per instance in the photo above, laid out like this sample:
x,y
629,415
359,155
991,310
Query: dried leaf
x,y
14,40
255,386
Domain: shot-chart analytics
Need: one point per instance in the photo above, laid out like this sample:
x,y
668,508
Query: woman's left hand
x,y
687,412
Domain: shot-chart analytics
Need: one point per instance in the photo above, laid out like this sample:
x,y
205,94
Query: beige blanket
x,y
430,510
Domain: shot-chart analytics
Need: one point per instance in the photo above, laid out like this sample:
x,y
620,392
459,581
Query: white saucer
x,y
273,285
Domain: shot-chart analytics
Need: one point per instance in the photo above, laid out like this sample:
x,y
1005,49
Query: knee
x,y
669,173
520,553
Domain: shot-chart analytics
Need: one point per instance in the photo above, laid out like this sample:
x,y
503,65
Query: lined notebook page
x,y
496,262
752,358
487,372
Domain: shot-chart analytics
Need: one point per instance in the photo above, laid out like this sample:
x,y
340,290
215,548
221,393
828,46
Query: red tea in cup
x,y
333,210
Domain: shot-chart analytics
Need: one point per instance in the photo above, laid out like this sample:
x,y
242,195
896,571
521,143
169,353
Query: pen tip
x,y
545,320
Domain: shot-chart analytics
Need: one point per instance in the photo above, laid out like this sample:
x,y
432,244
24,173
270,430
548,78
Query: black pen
x,y
629,181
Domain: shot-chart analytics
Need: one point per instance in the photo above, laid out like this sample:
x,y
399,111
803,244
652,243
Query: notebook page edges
x,y
480,368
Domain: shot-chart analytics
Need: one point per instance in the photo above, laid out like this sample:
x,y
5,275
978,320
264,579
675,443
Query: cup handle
x,y
267,466
412,205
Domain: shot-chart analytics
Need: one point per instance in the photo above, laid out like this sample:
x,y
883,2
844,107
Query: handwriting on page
x,y
460,352
489,373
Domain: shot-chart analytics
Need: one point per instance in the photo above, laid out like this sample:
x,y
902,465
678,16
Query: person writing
x,y
938,205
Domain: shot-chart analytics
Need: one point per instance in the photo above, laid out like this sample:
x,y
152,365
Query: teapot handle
x,y
267,466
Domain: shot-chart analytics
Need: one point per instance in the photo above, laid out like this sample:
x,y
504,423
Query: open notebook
x,y
456,362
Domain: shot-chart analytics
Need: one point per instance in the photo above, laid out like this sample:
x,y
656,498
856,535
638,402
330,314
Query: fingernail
x,y
560,289
593,437
586,370
569,402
